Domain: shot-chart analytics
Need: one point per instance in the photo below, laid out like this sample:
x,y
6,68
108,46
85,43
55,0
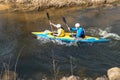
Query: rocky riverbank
x,y
31,5
112,74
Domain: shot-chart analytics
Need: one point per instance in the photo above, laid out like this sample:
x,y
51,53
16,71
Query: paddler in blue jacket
x,y
80,32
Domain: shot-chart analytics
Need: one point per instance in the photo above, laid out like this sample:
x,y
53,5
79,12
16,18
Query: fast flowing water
x,y
35,58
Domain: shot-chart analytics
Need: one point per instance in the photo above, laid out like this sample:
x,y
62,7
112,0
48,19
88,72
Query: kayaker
x,y
80,32
60,30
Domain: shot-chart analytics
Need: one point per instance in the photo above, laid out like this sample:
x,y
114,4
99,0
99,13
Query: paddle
x,y
64,20
49,21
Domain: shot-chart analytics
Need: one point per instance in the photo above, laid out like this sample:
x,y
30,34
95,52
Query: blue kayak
x,y
68,38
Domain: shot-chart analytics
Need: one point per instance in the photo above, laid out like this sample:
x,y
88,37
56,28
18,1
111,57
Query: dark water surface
x,y
35,60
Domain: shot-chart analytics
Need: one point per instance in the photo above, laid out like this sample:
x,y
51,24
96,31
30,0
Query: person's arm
x,y
52,24
73,29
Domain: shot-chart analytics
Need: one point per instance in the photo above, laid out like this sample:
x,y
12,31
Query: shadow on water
x,y
36,57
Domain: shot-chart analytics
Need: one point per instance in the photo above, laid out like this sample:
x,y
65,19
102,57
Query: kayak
x,y
67,38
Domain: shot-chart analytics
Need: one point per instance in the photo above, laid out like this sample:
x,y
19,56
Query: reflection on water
x,y
36,57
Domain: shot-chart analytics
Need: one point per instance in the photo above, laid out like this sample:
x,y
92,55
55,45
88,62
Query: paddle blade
x,y
64,20
48,16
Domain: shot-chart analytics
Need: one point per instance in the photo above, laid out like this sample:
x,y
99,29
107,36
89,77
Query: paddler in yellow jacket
x,y
60,30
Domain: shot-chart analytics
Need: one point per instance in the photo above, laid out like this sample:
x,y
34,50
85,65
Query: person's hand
x,y
50,23
74,38
69,28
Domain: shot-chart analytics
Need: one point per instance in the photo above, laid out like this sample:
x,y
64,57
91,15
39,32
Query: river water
x,y
34,58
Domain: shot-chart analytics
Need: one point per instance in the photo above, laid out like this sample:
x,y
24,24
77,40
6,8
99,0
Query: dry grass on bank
x,y
42,4
57,3
4,7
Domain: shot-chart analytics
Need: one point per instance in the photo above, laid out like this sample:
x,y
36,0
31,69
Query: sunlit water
x,y
36,56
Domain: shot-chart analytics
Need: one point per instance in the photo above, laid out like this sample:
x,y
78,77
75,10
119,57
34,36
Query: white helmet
x,y
58,25
77,25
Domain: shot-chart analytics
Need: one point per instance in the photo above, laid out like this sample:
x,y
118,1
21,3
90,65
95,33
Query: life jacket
x,y
80,32
83,33
61,31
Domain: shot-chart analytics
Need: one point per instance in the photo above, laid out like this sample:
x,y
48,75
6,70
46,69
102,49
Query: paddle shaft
x,y
64,20
49,21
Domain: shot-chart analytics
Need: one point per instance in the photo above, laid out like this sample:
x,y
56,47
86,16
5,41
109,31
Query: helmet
x,y
77,25
58,25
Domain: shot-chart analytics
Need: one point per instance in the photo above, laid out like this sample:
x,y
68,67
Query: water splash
x,y
106,34
92,31
108,29
58,42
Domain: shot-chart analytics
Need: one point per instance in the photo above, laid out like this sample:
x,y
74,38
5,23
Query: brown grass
x,y
38,4
57,3
4,7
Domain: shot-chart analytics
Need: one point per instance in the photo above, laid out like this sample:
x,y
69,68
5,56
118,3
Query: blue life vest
x,y
80,32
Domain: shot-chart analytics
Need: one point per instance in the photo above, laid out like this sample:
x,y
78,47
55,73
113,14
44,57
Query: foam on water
x,y
58,42
107,34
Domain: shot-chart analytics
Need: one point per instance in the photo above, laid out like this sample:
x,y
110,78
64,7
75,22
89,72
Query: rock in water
x,y
114,73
